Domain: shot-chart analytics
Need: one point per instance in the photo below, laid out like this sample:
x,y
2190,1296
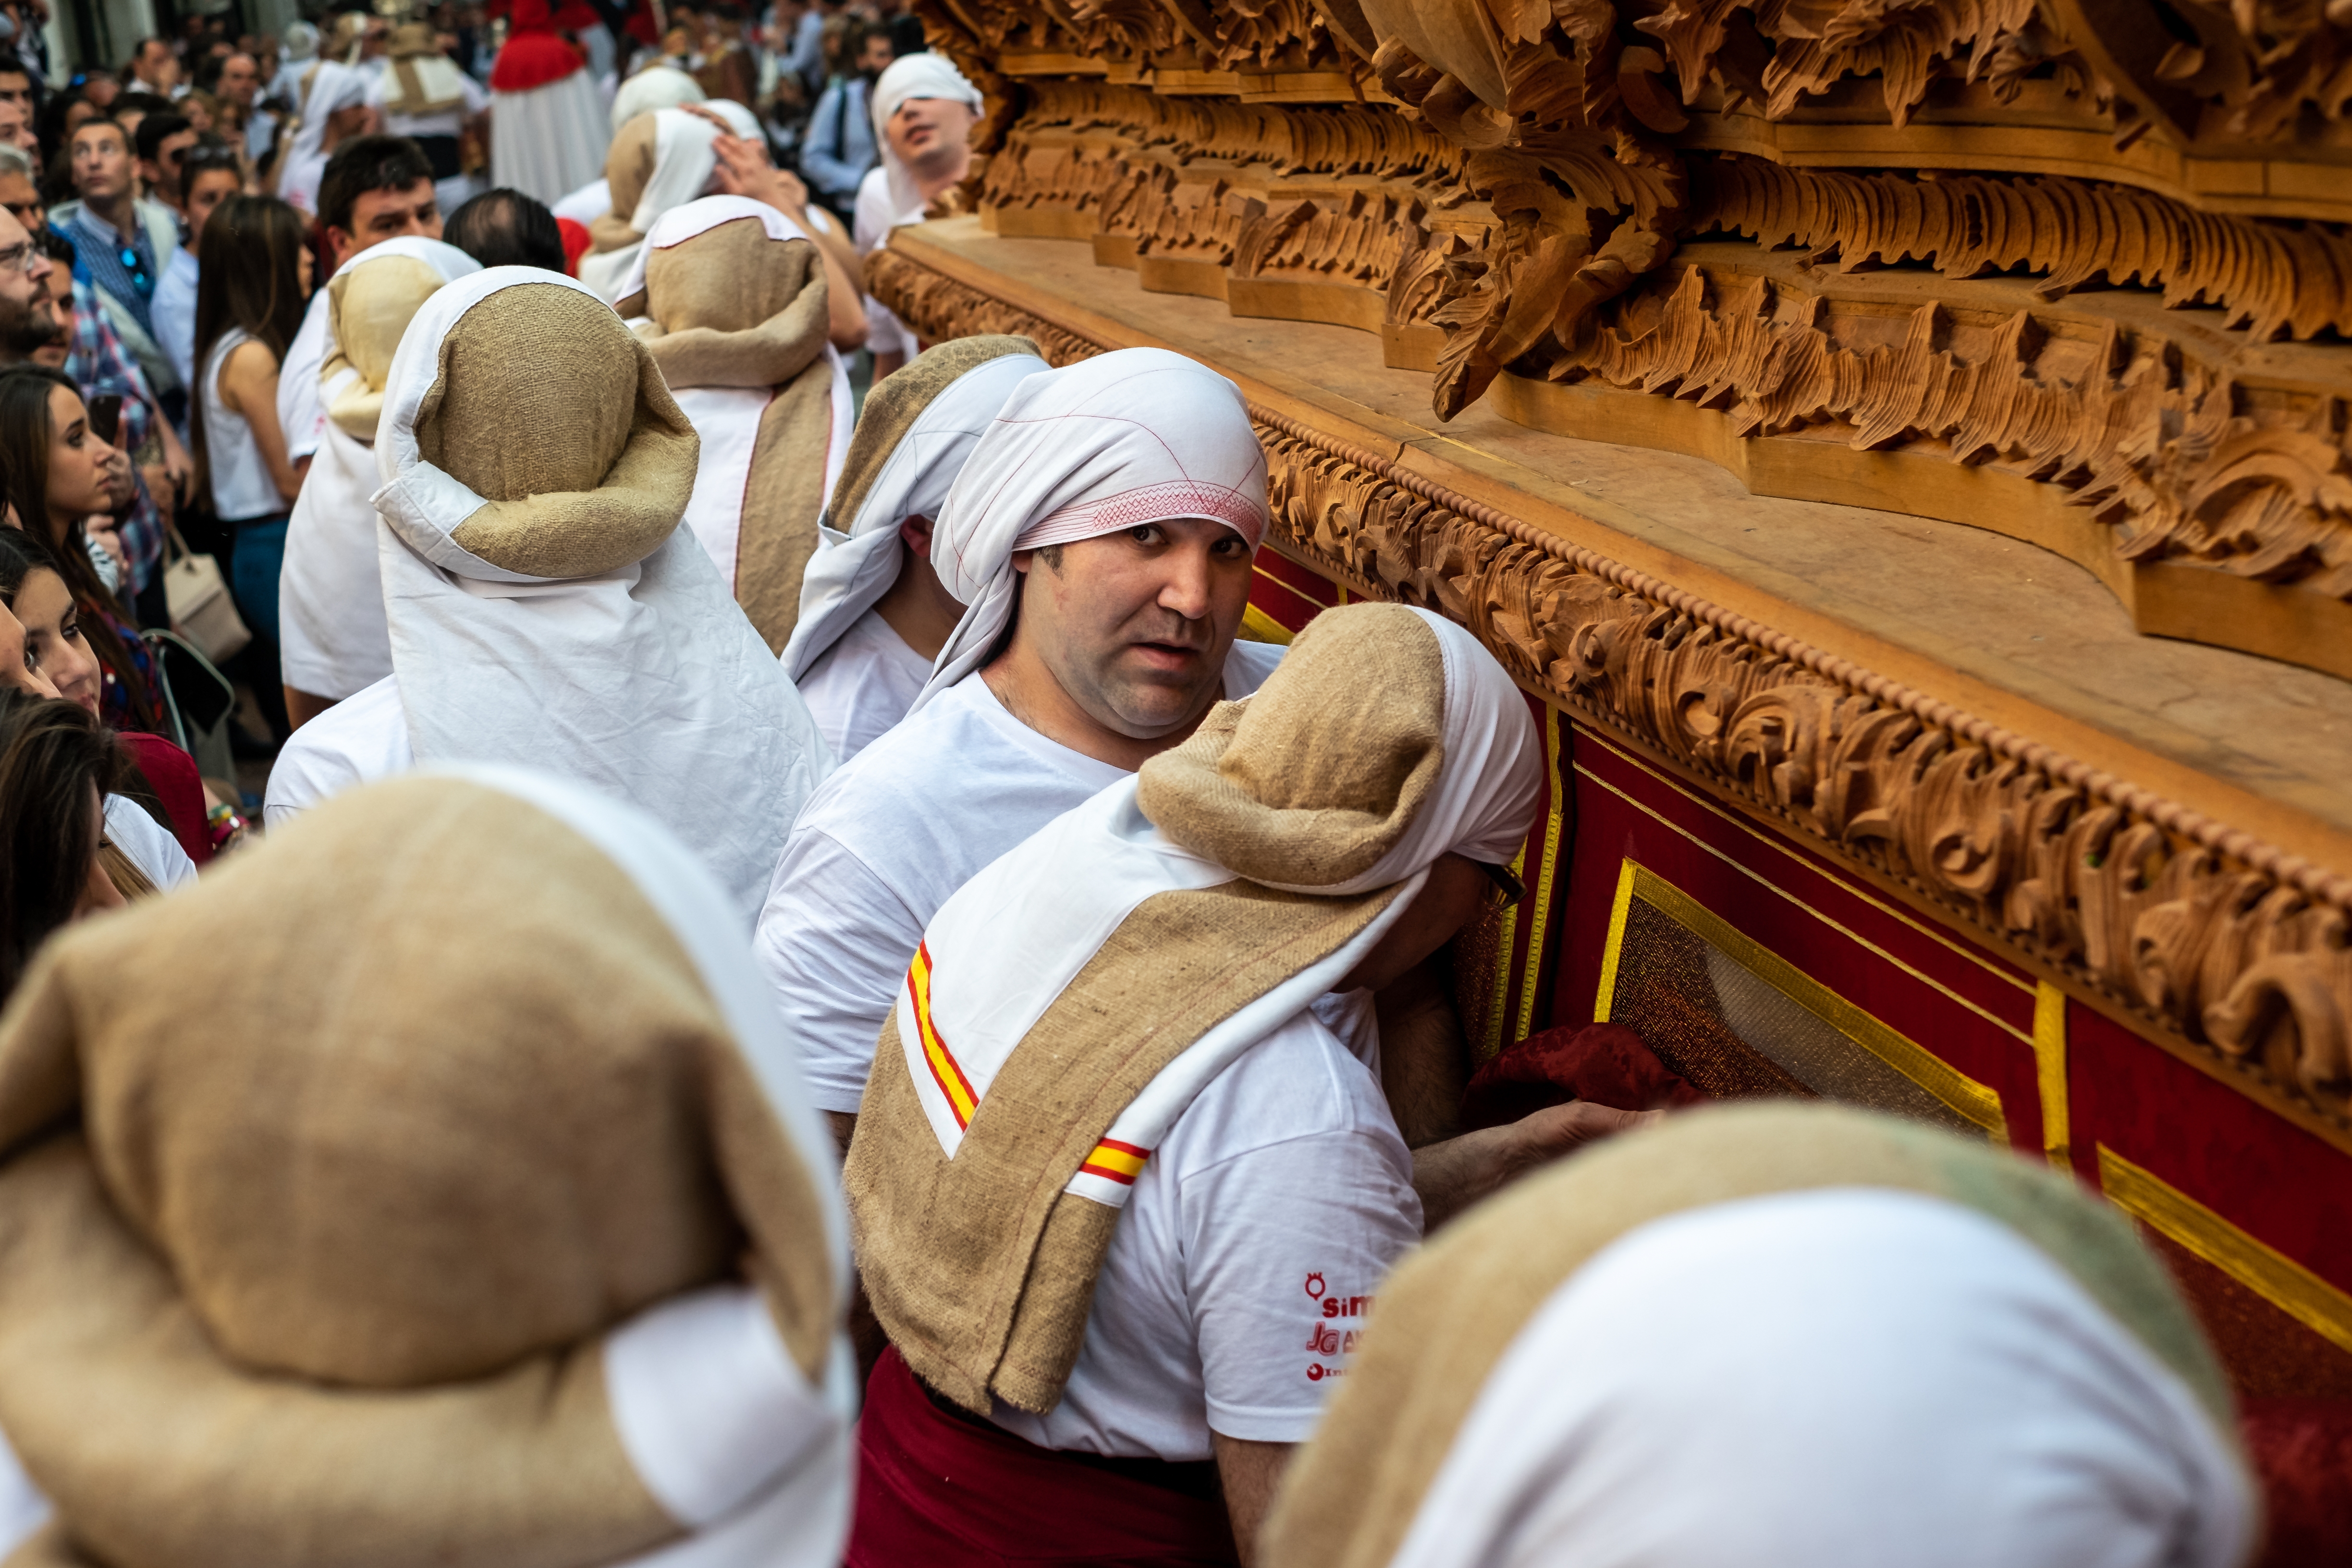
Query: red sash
x,y
940,1490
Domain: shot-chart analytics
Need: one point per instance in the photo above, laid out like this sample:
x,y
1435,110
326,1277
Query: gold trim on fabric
x,y
1540,886
1977,1102
2050,1072
1995,1019
2267,1272
1259,626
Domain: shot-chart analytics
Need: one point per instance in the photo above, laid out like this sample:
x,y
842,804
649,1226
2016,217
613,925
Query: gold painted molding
x,y
2268,1273
2225,949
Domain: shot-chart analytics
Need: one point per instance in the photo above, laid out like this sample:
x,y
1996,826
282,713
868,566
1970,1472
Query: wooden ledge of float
x,y
2011,634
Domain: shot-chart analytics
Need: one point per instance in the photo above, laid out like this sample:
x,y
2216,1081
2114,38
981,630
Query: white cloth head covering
x,y
646,682
728,418
659,86
1835,1378
1125,438
332,632
1011,940
920,75
299,44
852,569
716,1419
333,88
684,157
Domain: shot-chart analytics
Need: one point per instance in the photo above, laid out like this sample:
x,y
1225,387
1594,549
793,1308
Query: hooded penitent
x,y
333,89
1085,987
330,593
657,162
1128,438
918,427
550,126
1776,1335
544,606
731,302
479,1221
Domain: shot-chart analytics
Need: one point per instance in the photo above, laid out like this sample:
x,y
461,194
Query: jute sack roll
x,y
386,1158
368,307
896,402
529,359
1449,1312
732,306
981,1267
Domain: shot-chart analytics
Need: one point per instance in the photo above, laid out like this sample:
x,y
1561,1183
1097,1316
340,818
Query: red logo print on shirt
x,y
1315,1286
1329,1337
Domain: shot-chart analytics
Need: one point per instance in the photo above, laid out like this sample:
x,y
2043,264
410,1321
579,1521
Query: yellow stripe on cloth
x,y
1122,1162
961,1101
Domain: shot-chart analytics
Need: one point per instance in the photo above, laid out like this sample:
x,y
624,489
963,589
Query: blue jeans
x,y
253,566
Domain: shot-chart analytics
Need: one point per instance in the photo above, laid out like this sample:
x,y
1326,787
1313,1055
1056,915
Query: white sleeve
x,y
1285,1245
835,944
361,738
885,332
148,843
22,1508
299,413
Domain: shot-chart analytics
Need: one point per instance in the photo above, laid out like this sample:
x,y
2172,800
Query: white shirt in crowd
x,y
301,416
173,312
863,684
887,837
242,487
363,737
1237,1281
149,847
875,217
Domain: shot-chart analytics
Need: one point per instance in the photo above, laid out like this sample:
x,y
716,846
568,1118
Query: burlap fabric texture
x,y
534,359
1450,1312
332,1240
896,402
981,1267
732,306
628,164
427,81
369,307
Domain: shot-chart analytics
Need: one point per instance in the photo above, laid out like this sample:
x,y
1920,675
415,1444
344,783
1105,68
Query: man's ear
x,y
1020,559
915,533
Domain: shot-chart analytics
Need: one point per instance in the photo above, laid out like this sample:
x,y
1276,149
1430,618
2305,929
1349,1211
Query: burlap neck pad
x,y
981,1265
1448,1314
335,1239
628,164
732,306
894,405
547,407
370,303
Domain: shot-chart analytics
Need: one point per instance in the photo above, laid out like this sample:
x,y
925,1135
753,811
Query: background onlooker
x,y
839,148
254,279
121,241
56,767
209,175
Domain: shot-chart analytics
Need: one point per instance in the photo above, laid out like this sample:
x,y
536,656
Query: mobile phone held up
x,y
106,417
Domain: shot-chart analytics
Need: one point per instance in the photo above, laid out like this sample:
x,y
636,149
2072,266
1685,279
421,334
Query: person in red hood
x,y
549,130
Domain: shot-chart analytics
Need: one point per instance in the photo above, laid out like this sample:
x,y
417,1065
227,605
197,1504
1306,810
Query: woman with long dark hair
x,y
55,766
54,473
253,279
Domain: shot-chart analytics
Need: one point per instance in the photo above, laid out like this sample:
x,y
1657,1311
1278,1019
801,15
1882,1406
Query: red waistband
x,y
944,1491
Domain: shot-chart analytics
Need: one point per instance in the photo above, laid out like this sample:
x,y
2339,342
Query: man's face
x,y
158,66
162,171
101,161
27,321
1135,625
240,79
17,131
206,191
379,215
929,130
16,88
875,57
22,200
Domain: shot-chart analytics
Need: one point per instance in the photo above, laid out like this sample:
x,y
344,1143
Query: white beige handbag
x,y
202,610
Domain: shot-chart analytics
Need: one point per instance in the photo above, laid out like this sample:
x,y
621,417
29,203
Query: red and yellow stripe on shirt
x,y
961,1101
1121,1163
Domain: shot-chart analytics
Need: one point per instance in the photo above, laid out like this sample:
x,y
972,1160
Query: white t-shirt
x,y
173,312
362,738
148,843
862,685
300,414
1238,1277
886,838
874,218
586,204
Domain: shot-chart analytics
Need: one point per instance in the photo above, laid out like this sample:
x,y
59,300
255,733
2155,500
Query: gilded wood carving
x,y
2226,945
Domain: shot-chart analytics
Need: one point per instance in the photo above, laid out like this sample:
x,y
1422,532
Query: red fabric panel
x,y
1604,1063
939,1492
2302,1450
172,774
533,60
576,241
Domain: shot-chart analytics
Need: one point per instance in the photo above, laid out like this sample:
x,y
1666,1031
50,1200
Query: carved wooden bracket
x,y
2236,954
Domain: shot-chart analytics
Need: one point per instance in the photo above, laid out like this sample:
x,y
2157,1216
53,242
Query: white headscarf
x,y
646,682
851,571
1834,1378
684,157
332,638
658,86
1011,940
716,1421
728,418
922,75
333,87
1125,438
